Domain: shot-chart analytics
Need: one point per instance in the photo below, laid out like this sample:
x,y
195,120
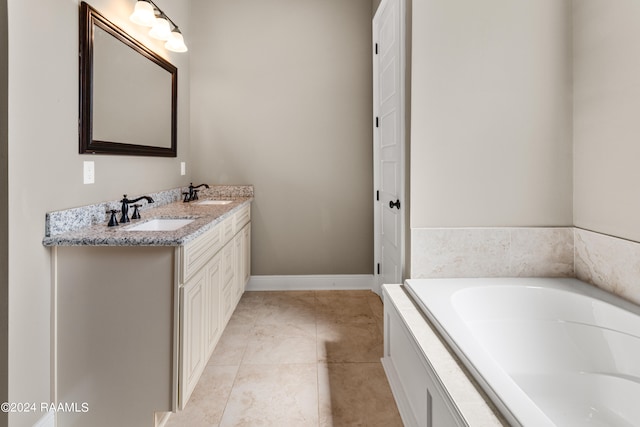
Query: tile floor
x,y
294,359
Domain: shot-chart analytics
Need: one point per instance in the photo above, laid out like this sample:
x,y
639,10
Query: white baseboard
x,y
48,420
311,282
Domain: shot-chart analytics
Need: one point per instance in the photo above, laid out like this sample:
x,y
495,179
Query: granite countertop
x,y
205,217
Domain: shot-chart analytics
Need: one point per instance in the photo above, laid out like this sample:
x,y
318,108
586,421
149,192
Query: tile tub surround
x,y
492,252
608,262
88,225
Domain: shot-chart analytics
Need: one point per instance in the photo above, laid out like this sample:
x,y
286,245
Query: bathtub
x,y
546,351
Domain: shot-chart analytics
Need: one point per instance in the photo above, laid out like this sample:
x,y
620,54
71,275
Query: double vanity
x,y
139,307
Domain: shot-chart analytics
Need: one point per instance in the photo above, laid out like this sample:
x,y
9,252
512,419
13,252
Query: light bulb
x,y
161,29
176,42
143,14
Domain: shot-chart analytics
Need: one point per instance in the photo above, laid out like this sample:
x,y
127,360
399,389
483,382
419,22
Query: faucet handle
x,y
194,196
186,197
136,213
113,221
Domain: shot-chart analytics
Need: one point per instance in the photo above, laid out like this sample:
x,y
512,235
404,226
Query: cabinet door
x,y
242,243
213,321
238,285
192,334
228,277
246,258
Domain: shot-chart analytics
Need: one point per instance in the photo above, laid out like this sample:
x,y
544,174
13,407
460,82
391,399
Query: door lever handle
x,y
396,204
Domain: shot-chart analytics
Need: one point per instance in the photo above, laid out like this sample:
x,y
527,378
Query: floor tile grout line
x,y
246,344
315,314
318,391
233,384
240,364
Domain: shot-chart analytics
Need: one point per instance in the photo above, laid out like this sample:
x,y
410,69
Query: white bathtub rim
x,y
517,407
512,400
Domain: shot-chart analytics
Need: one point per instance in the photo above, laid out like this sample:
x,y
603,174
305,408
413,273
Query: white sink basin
x,y
212,202
161,224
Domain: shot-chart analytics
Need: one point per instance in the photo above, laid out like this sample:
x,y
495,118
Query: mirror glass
x,y
128,93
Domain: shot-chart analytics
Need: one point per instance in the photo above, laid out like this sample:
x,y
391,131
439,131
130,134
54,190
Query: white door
x,y
388,140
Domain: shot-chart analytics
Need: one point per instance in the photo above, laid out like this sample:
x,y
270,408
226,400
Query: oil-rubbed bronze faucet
x,y
125,206
193,193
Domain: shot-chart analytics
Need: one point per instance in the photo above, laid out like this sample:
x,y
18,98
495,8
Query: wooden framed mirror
x,y
128,93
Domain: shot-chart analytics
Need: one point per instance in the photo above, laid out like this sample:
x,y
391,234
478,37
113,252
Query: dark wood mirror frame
x,y
89,19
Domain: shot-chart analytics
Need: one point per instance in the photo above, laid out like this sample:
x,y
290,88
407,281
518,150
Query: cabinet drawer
x,y
242,217
196,254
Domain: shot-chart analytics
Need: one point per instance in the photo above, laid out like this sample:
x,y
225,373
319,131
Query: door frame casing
x,y
377,219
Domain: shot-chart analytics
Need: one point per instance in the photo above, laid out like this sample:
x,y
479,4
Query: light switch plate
x,y
183,168
89,172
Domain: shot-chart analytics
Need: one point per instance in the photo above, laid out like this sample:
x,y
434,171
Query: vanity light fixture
x,y
143,14
161,29
148,14
176,42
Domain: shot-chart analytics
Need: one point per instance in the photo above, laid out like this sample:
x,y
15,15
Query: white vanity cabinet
x,y
135,325
214,272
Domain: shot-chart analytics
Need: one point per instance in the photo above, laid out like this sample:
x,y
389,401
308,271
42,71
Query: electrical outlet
x,y
89,172
183,168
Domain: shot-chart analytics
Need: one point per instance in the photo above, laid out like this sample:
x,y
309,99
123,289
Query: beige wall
x,y
45,168
281,98
374,6
491,113
606,46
